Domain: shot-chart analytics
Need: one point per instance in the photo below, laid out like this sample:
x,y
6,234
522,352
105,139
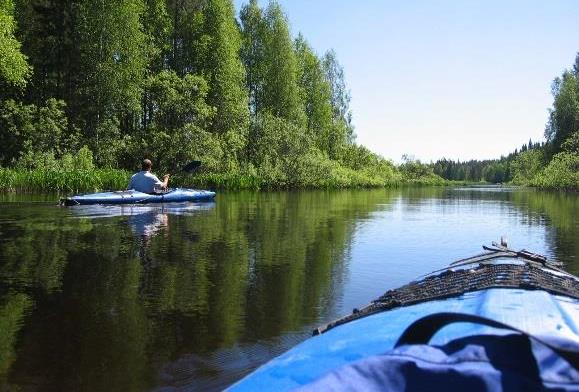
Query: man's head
x,y
146,165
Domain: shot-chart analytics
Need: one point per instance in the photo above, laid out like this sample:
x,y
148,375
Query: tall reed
x,y
55,180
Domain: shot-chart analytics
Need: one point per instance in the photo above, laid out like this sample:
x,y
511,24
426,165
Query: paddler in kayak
x,y
145,181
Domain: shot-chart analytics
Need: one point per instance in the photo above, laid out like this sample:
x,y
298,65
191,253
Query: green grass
x,y
91,180
55,180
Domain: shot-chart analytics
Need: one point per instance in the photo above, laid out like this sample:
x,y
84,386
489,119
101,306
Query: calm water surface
x,y
194,296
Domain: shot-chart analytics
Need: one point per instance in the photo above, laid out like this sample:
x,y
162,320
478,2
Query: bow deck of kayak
x,y
527,274
520,289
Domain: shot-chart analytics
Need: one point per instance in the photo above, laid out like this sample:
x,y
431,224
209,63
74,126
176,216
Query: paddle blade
x,y
191,166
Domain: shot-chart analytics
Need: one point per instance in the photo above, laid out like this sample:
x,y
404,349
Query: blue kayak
x,y
509,290
135,197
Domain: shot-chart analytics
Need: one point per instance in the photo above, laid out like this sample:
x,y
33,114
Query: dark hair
x,y
147,164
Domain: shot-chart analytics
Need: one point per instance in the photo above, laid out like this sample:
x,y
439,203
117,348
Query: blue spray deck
x,y
536,311
135,197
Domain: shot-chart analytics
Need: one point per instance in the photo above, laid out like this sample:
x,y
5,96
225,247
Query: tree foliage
x,y
252,52
280,94
175,80
564,117
315,94
28,131
14,68
340,95
178,80
224,69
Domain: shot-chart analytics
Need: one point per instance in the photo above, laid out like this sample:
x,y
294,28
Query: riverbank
x,y
90,180
56,180
555,177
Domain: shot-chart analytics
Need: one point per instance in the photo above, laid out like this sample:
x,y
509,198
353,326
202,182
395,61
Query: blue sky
x,y
459,79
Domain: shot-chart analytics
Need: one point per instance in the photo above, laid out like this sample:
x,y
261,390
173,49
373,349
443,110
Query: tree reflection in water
x,y
194,296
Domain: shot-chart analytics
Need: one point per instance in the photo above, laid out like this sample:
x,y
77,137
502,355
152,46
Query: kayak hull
x,y
135,197
535,311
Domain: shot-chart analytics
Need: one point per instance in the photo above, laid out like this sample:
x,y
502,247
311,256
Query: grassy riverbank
x,y
62,180
78,174
89,180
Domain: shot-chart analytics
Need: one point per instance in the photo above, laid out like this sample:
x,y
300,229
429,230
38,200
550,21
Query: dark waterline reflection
x,y
193,296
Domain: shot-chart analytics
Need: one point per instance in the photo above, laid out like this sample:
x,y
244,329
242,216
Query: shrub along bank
x,y
88,180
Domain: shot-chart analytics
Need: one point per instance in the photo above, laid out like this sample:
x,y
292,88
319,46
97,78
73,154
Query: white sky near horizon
x,y
456,79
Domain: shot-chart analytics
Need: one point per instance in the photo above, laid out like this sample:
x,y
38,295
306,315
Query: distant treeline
x,y
176,80
550,164
490,170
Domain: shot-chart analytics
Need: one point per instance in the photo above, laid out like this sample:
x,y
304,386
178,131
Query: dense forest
x,y
491,170
87,89
91,85
550,164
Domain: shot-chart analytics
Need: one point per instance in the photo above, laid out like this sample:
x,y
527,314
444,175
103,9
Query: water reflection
x,y
193,296
110,211
145,221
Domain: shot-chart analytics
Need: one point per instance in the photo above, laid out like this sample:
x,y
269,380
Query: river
x,y
194,296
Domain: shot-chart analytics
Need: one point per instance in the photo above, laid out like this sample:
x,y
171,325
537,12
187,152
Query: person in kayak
x,y
145,181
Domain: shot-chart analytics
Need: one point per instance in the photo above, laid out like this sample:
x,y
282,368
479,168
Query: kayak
x,y
136,197
485,297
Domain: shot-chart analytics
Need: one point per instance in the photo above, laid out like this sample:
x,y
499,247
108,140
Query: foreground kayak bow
x,y
470,323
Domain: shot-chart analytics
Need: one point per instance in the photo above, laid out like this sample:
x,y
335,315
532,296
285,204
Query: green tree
x,y
179,123
561,173
572,143
280,95
340,93
226,76
49,36
29,130
526,166
189,44
316,94
14,68
158,29
179,101
253,30
277,146
564,117
113,61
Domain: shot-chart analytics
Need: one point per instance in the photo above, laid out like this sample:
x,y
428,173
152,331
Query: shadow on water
x,y
193,296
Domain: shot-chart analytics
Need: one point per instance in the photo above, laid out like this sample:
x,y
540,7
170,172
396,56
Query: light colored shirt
x,y
144,181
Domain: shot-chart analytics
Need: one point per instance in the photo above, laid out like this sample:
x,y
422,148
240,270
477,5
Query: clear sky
x,y
459,79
